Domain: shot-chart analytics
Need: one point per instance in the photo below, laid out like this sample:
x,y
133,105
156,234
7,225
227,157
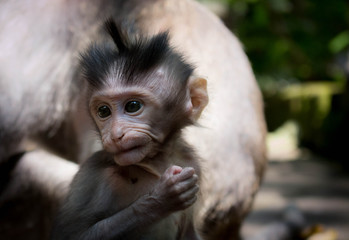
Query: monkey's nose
x,y
118,134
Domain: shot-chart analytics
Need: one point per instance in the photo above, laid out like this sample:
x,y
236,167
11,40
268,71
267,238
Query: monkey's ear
x,y
198,96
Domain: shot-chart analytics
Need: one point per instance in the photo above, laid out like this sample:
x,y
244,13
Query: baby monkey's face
x,y
129,122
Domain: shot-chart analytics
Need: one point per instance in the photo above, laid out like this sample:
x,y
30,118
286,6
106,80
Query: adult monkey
x,y
39,42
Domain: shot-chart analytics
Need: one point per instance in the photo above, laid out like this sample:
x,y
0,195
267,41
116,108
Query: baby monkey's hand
x,y
177,189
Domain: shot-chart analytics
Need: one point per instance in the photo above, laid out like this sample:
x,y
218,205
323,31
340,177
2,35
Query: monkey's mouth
x,y
122,151
130,156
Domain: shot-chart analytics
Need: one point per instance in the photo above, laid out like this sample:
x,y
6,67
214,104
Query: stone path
x,y
319,189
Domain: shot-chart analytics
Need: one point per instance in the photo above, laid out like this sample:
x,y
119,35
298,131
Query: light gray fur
x,y
39,46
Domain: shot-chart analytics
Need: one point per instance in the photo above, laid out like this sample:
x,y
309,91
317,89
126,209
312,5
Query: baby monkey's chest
x,y
130,184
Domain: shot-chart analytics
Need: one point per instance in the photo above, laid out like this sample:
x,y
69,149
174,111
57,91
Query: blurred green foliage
x,y
297,39
297,49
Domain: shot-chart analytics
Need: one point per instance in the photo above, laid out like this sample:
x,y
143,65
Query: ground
x,y
319,188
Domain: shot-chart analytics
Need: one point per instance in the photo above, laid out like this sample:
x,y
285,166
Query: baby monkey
x,y
143,185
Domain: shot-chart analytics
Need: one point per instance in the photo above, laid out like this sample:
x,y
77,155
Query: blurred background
x,y
299,51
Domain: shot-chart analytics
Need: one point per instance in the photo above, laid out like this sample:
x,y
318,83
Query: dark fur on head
x,y
132,59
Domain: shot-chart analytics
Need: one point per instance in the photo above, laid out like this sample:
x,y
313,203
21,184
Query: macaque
x,y
140,95
42,124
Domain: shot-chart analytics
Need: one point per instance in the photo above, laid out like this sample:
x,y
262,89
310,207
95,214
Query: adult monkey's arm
x,y
35,186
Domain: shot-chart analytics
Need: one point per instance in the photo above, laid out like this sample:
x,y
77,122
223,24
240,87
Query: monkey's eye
x,y
133,106
104,111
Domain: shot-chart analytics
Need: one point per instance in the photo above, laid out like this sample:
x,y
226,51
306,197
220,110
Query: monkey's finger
x,y
185,185
191,193
173,170
185,174
189,202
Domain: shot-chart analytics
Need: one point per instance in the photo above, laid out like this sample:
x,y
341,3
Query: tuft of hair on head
x,y
115,33
147,53
95,64
131,58
143,52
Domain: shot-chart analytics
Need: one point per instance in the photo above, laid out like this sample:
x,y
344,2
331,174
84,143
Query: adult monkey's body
x,y
39,45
